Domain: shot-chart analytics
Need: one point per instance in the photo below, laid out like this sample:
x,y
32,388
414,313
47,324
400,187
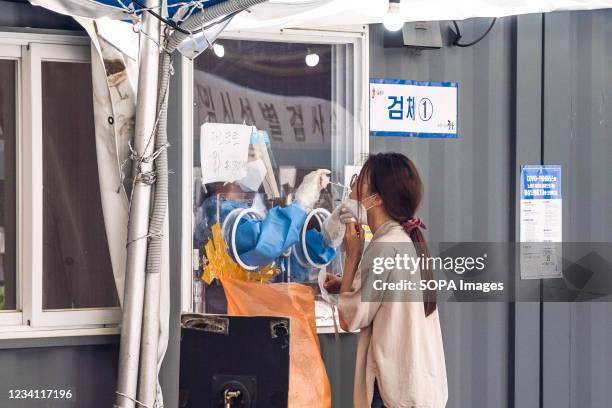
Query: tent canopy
x,y
330,13
118,9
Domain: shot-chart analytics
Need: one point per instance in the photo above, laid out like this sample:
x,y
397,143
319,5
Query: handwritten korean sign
x,y
224,151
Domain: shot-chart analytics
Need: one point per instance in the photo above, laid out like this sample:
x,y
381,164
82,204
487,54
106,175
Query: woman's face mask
x,y
358,210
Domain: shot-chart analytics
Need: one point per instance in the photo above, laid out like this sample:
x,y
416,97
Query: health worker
x,y
259,242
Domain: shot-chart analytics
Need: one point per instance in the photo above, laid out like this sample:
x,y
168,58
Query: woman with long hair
x,y
400,356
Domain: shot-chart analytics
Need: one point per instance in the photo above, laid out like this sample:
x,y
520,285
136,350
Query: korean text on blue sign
x,y
413,108
541,182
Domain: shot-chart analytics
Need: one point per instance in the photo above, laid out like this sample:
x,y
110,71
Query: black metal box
x,y
243,361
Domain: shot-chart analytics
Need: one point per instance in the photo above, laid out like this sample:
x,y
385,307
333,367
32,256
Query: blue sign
x,y
541,182
401,107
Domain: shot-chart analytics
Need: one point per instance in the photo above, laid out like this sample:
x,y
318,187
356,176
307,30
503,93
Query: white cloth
x,y
114,97
398,345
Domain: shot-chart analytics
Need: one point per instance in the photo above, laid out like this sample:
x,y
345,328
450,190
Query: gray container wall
x,y
536,90
577,134
86,366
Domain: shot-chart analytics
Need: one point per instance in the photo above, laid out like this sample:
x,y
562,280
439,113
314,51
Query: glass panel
x,y
77,271
301,96
290,100
8,191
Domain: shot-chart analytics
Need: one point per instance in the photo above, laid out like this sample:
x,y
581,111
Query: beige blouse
x,y
398,346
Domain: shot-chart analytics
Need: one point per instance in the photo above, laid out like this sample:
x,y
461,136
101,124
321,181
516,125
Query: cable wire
x,y
166,21
458,35
176,26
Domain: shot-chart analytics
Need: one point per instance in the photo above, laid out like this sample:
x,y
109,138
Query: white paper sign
x,y
413,108
224,151
541,222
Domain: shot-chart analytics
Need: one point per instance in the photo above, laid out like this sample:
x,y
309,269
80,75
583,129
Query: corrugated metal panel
x,y
577,135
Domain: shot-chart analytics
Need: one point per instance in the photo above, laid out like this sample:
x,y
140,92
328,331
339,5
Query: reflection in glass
x,y
77,271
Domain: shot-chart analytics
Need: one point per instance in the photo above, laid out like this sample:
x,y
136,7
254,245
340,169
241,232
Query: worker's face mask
x,y
358,210
255,174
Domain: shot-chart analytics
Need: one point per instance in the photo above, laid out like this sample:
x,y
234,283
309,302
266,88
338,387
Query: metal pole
x,y
146,115
147,375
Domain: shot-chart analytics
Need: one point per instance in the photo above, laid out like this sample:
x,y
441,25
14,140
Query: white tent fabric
x,y
81,8
114,77
121,36
338,13
323,14
114,97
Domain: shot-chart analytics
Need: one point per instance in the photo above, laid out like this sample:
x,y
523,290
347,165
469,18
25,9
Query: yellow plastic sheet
x,y
221,265
308,382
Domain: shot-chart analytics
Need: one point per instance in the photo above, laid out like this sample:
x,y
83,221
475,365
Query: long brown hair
x,y
396,180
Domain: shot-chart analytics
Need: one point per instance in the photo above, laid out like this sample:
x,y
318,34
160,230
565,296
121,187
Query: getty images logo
x,y
405,262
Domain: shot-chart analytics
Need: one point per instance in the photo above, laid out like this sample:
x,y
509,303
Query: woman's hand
x,y
354,237
332,283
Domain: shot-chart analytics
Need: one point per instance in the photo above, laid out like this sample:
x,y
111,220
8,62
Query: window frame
x,y
356,36
12,52
30,320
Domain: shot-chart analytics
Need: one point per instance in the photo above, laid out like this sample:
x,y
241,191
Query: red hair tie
x,y
413,223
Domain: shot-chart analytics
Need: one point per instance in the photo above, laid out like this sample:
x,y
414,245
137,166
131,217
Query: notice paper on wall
x,y
224,151
541,222
401,107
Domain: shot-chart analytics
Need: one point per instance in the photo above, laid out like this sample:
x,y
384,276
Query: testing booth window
x,y
299,101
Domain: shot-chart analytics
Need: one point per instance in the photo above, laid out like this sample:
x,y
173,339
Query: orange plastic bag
x,y
308,383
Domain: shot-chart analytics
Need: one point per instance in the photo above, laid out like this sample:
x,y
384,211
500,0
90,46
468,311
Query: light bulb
x,y
312,59
393,19
219,50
